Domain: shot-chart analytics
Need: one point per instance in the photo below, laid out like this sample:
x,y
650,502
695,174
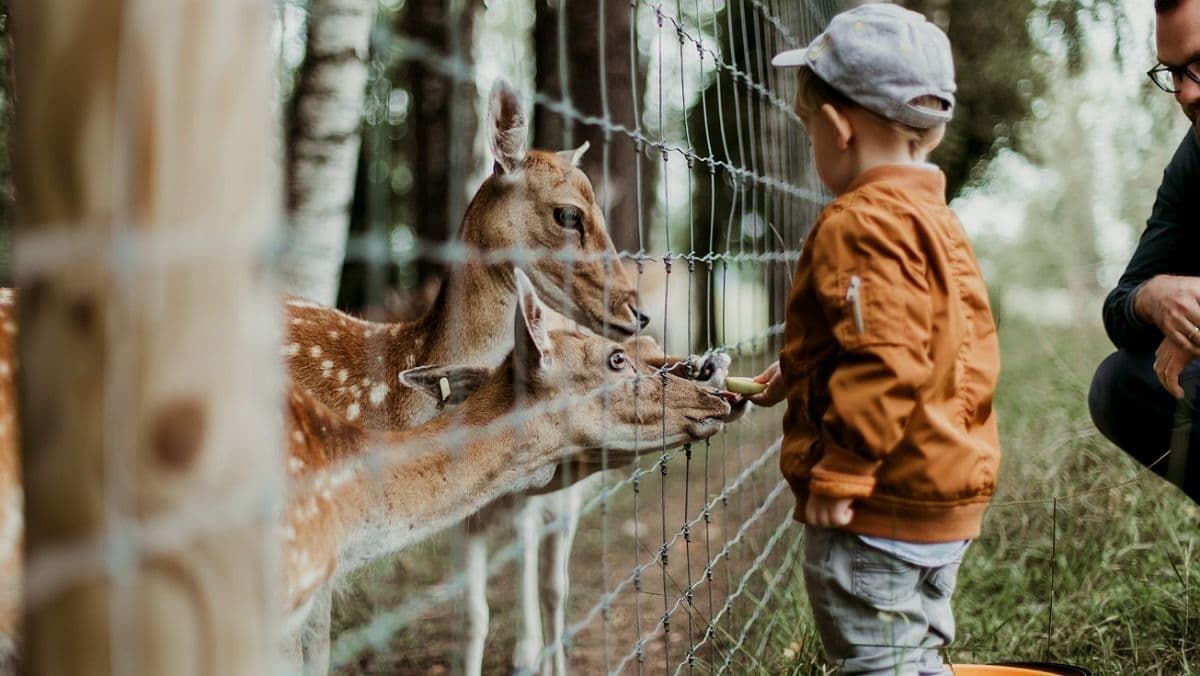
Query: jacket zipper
x,y
852,295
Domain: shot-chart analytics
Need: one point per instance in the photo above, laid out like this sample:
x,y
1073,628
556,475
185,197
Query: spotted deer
x,y
555,396
11,500
536,202
357,494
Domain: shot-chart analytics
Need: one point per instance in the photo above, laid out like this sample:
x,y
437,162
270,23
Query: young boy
x,y
890,355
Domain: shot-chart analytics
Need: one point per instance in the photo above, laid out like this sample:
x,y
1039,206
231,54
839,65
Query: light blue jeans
x,y
877,614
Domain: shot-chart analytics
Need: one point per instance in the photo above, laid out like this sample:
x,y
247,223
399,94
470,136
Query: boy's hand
x,y
774,393
825,512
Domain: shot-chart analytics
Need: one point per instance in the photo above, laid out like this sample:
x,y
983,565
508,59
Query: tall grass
x,y
1085,557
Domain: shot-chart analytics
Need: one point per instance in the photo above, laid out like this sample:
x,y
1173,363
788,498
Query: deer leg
x,y
560,580
477,605
530,639
314,636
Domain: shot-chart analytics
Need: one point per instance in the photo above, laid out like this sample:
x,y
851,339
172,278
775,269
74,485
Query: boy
x,y
890,355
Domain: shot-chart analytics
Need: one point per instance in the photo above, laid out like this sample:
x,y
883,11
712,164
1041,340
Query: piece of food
x,y
743,385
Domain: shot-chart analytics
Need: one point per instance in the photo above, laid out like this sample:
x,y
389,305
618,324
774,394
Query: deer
x,y
533,200
556,395
356,494
12,515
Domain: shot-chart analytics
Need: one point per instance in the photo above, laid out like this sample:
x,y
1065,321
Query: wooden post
x,y
145,160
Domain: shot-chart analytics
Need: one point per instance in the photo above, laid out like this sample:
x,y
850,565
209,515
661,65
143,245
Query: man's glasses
x,y
1170,78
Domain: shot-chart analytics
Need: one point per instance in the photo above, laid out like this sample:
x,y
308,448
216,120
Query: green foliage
x,y
995,60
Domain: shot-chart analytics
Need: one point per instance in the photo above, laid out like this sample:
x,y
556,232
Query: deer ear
x,y
507,128
532,341
574,156
446,384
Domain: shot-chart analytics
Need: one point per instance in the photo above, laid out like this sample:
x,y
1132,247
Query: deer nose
x,y
643,319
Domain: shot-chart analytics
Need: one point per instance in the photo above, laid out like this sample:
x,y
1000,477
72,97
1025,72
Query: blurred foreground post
x,y
145,164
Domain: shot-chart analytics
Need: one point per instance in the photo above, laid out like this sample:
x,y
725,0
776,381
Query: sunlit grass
x,y
1084,559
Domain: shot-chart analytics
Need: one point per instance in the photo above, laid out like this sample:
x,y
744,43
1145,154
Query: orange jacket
x,y
890,360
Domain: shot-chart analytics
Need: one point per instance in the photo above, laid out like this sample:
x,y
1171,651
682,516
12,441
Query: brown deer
x,y
357,494
11,499
535,202
556,395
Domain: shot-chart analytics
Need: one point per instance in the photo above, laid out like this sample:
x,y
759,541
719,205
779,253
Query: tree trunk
x,y
433,137
442,119
149,392
323,145
574,60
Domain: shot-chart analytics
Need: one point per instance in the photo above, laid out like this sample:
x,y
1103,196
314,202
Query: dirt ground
x,y
603,560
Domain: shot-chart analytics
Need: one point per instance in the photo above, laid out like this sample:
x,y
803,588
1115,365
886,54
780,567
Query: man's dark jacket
x,y
1170,245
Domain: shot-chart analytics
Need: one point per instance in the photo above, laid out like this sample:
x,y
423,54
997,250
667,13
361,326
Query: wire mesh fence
x,y
671,560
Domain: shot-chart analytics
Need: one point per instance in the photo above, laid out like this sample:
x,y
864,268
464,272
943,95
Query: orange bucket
x,y
1018,669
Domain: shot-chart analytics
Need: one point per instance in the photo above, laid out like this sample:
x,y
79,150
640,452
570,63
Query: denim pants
x,y
1131,408
876,614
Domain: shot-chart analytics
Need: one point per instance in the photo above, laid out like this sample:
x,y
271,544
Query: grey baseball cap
x,y
882,57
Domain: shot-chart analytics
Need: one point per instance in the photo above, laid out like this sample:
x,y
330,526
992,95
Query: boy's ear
x,y
842,128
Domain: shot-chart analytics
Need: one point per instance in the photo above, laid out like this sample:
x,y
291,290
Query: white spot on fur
x,y
333,334
314,351
295,465
326,368
298,437
291,350
378,394
342,375
352,412
289,533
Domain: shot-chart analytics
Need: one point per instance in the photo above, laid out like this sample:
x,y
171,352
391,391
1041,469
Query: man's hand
x,y
1169,360
1172,303
828,512
774,393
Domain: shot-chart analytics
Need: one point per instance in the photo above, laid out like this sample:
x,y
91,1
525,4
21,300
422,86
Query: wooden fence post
x,y
146,161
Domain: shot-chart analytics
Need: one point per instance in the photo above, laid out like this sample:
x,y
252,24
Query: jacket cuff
x,y
842,474
1131,316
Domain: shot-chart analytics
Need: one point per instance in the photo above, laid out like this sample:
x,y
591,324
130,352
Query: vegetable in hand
x,y
744,385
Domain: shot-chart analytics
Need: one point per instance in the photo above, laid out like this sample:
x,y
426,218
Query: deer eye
x,y
617,361
570,218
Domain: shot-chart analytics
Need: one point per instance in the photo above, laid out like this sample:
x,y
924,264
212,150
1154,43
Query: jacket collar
x,y
917,179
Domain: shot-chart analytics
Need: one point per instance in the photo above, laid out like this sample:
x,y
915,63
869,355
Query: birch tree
x,y
323,146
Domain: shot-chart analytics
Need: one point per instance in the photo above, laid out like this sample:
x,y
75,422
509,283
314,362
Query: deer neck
x,y
470,321
382,511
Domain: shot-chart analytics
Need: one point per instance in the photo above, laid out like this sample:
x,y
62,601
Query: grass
x,y
1085,558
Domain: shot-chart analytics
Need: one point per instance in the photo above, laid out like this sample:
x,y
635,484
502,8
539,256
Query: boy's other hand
x,y
824,512
773,379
